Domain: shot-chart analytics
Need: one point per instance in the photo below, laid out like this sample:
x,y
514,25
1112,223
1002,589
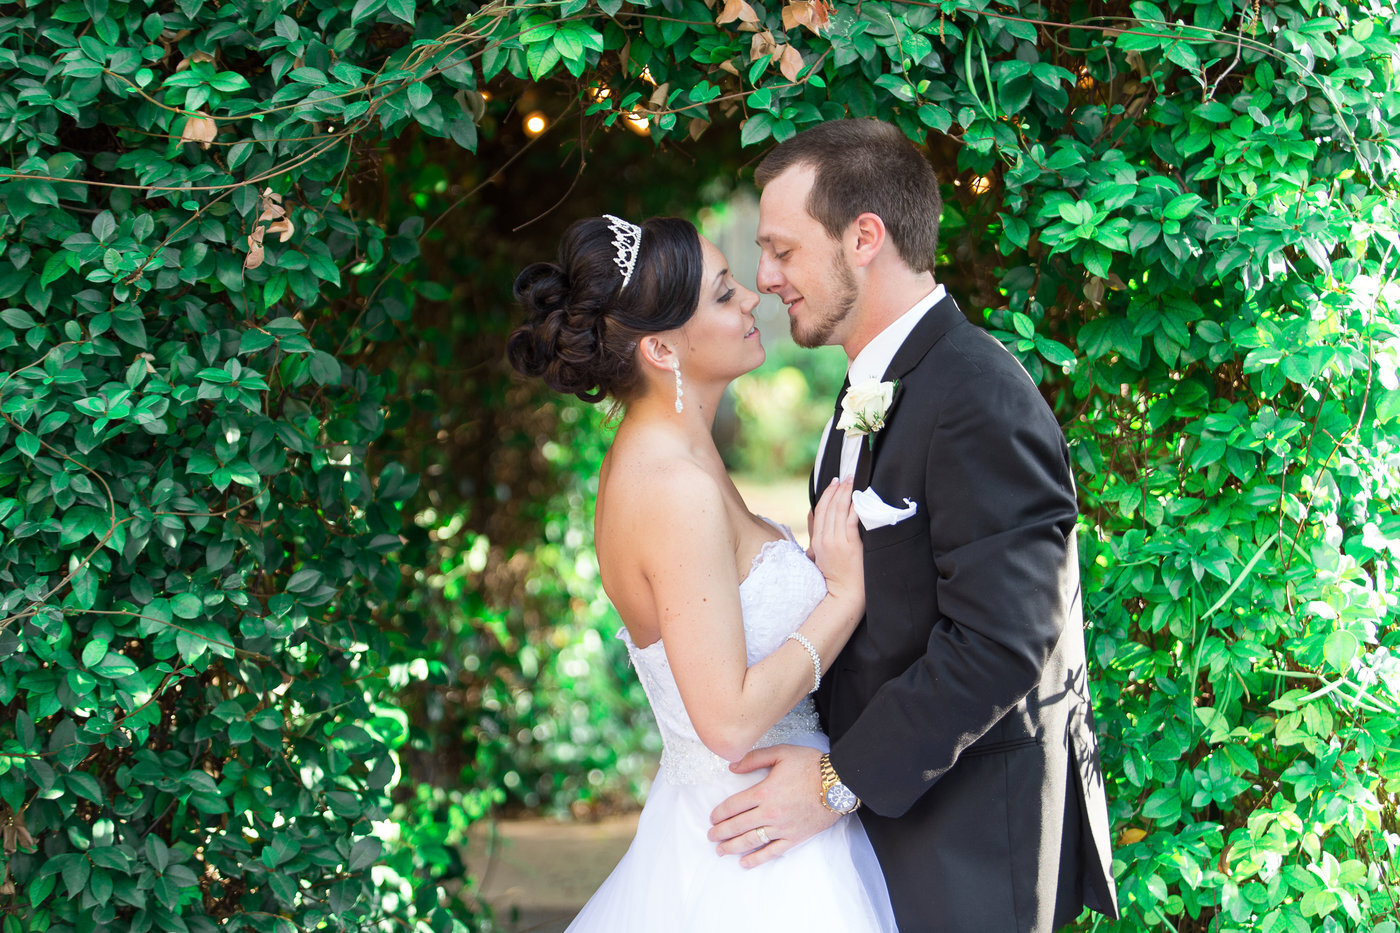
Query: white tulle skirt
x,y
672,881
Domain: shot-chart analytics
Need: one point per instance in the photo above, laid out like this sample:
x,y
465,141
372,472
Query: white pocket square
x,y
874,512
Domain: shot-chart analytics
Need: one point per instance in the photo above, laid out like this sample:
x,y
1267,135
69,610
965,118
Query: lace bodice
x,y
781,590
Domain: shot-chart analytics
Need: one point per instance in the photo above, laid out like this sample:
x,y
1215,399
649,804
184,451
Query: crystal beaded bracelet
x,y
816,658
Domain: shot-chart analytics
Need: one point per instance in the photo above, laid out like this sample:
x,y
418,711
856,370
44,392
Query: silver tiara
x,y
627,237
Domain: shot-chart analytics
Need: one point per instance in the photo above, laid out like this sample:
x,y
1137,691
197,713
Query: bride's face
x,y
721,340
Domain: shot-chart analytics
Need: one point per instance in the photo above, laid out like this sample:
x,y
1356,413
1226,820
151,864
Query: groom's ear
x,y
868,237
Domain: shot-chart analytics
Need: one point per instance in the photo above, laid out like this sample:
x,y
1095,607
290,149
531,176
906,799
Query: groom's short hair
x,y
866,165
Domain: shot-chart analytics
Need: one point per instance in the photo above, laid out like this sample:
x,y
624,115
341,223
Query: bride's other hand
x,y
836,544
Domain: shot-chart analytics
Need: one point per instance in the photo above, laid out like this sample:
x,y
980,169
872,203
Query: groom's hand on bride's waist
x,y
780,811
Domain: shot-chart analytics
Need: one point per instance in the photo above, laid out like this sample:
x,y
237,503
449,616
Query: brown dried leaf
x,y
194,57
814,14
1093,290
790,63
199,129
658,96
697,127
736,9
762,45
728,66
255,250
284,228
13,833
271,203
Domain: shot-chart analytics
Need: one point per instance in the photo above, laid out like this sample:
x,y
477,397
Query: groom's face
x,y
801,264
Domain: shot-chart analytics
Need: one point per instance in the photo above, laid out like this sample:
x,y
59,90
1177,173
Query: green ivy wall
x,y
1182,217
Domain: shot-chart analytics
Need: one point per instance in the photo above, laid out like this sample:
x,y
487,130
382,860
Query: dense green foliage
x,y
219,341
194,731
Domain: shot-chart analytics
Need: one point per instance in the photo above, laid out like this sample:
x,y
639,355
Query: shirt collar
x,y
875,358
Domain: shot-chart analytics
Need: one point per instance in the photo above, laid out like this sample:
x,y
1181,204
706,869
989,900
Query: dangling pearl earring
x,y
676,365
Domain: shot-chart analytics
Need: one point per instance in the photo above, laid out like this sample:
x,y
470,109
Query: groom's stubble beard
x,y
819,331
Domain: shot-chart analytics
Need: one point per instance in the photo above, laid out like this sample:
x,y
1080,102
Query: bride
x,y
728,622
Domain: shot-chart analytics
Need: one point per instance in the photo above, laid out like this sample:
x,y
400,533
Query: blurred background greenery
x,y
531,704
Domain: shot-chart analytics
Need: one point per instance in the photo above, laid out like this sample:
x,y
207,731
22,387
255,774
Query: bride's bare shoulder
x,y
659,487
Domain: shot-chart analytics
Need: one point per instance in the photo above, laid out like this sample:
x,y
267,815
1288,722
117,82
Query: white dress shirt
x,y
871,363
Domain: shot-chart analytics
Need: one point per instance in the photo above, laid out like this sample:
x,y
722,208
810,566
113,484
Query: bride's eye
x,y
724,299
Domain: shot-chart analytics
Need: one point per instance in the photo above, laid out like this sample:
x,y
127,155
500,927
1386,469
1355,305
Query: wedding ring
x,y
763,835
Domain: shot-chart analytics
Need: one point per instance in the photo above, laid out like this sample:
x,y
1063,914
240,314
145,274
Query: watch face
x,y
840,798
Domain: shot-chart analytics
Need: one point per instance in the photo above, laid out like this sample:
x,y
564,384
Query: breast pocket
x,y
900,586
891,535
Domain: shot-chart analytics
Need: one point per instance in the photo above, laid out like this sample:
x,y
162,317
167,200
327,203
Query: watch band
x,y
830,779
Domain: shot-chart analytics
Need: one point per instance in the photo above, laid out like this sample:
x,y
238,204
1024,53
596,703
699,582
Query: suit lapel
x,y
936,322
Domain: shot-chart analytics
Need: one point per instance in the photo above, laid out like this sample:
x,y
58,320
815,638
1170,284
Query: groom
x,y
959,713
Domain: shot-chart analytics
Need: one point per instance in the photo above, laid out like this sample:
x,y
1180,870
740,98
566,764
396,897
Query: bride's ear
x,y
654,352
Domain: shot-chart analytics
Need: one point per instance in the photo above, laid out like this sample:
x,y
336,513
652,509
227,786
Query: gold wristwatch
x,y
836,797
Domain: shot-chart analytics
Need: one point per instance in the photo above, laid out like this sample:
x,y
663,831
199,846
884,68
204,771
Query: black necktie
x,y
831,455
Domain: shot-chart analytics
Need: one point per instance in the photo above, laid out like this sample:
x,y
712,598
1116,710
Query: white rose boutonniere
x,y
864,408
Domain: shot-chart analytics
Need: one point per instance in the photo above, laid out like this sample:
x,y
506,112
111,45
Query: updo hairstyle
x,y
582,328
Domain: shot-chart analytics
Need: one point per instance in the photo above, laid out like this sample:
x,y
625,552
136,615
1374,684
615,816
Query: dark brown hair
x,y
866,166
581,327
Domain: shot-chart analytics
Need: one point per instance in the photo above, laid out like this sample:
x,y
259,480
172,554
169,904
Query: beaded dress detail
x,y
672,879
788,588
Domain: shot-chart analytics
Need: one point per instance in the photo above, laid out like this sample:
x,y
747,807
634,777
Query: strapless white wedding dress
x,y
671,880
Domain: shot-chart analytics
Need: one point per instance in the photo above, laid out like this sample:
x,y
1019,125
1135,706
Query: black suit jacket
x,y
959,711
